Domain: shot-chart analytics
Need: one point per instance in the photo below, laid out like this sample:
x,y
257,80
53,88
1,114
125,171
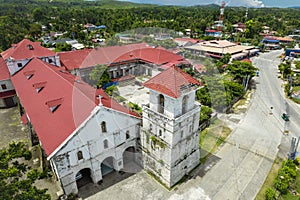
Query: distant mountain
x,y
231,3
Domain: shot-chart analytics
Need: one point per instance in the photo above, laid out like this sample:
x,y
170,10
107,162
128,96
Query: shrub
x,y
270,194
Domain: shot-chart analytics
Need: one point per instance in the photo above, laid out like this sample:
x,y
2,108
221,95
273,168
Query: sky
x,y
246,3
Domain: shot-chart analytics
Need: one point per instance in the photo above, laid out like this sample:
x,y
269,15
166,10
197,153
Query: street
x,y
252,147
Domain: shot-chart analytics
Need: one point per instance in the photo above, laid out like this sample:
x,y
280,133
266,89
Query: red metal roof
x,y
114,54
61,106
4,73
170,82
102,55
73,59
157,56
26,49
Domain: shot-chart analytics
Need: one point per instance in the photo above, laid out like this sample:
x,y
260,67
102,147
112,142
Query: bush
x,y
27,155
270,194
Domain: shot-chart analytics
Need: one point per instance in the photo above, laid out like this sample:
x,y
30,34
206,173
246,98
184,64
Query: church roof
x,y
171,82
57,102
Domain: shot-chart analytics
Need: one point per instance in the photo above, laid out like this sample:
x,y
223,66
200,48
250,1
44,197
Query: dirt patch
x,y
11,127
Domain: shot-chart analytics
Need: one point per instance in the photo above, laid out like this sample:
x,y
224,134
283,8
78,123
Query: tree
x,y
241,70
100,75
16,182
285,69
205,113
270,194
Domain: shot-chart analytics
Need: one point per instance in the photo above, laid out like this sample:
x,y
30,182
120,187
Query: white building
x,y
170,136
86,134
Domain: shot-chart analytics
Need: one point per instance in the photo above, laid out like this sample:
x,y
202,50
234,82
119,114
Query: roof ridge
x,y
72,85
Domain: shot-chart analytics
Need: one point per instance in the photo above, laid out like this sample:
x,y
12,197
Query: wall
x,y
89,139
8,84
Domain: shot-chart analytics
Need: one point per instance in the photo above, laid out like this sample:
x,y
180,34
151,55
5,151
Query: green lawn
x,y
213,136
269,182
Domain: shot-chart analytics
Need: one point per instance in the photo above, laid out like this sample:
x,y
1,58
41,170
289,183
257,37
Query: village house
x,y
218,48
85,134
7,90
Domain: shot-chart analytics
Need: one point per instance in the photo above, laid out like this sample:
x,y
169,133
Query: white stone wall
x,y
8,84
172,107
13,65
53,60
89,140
178,132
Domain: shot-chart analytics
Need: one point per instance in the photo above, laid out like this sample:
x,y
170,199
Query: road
x,y
249,153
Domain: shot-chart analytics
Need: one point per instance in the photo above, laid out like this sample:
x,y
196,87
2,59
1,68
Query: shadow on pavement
x,y
108,180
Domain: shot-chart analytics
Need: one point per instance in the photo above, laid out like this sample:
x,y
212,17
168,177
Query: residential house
x,y
7,91
218,48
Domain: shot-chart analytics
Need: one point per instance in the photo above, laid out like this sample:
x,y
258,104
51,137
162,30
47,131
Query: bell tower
x,y
170,136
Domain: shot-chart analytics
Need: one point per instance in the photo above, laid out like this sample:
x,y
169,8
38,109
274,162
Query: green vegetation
x,y
157,142
269,180
212,137
135,107
100,75
205,113
16,178
19,19
283,181
285,69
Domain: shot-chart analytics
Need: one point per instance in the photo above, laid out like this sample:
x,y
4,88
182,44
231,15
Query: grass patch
x,y
269,182
212,137
296,88
141,78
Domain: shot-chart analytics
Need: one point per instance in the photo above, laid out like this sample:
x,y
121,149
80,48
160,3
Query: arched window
x,y
103,127
127,135
184,104
161,103
160,133
105,144
79,155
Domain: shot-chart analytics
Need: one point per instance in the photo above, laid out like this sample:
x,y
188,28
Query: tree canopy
x,y
16,178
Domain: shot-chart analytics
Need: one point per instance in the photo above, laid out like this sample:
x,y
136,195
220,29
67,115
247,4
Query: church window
x,y
79,155
103,127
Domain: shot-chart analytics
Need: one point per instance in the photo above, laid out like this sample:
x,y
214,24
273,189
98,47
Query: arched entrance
x,y
130,160
107,166
83,177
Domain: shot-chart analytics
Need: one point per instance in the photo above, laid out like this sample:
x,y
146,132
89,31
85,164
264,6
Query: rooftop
x,y
171,81
26,49
4,73
114,54
57,102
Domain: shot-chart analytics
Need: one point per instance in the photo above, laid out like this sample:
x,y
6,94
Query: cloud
x,y
246,3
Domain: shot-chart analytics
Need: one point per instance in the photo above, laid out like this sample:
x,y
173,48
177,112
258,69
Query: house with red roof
x,y
170,126
134,59
7,91
20,54
81,130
